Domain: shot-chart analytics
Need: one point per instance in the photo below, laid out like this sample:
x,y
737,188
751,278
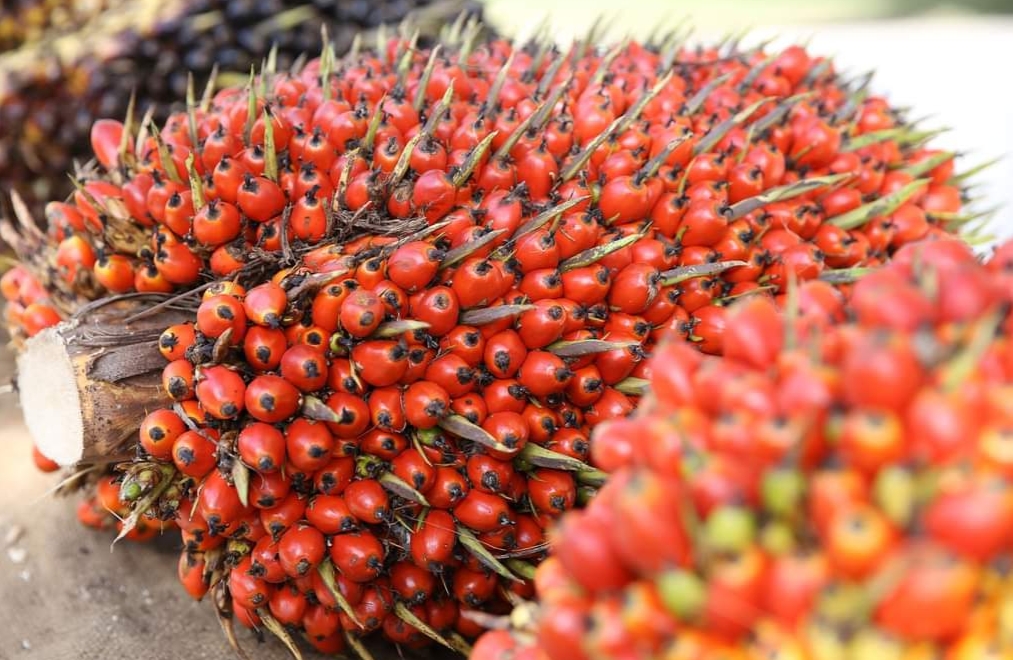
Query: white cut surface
x,y
50,399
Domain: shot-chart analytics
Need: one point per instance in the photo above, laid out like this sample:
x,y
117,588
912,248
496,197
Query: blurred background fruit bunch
x,y
85,60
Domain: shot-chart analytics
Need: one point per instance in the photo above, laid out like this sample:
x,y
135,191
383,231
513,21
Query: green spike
x,y
583,347
844,275
977,169
404,161
544,217
196,187
402,612
124,156
396,328
163,155
251,107
633,386
755,72
497,84
278,630
462,252
683,273
883,206
270,153
696,101
856,142
550,74
923,167
817,71
401,488
782,193
481,553
463,428
716,134
595,254
358,648
462,173
541,457
315,408
603,67
486,315
326,571
778,113
209,89
427,73
404,65
191,113
327,62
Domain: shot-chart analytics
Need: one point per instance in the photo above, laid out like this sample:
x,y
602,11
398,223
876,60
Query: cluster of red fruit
x,y
820,492
426,275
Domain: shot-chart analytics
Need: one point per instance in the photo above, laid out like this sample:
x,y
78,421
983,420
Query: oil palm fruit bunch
x,y
418,278
52,89
847,494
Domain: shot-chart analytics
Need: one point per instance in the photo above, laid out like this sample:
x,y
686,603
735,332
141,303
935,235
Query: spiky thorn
x,y
618,125
783,193
462,173
326,62
196,187
402,612
684,273
593,35
251,106
883,206
923,167
603,67
270,152
168,165
326,571
670,46
404,65
531,122
427,73
191,113
209,89
974,171
716,134
462,428
547,215
695,102
780,112
358,648
381,43
817,72
355,49
223,611
454,30
598,252
125,158
275,628
472,30
550,73
471,543
544,47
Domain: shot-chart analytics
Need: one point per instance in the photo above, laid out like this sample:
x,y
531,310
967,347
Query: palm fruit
x,y
419,278
54,88
822,491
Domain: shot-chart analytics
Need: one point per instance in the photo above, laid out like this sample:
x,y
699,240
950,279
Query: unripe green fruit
x,y
683,593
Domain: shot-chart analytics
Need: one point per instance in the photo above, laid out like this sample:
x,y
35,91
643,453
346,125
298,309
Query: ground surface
x,y
63,596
